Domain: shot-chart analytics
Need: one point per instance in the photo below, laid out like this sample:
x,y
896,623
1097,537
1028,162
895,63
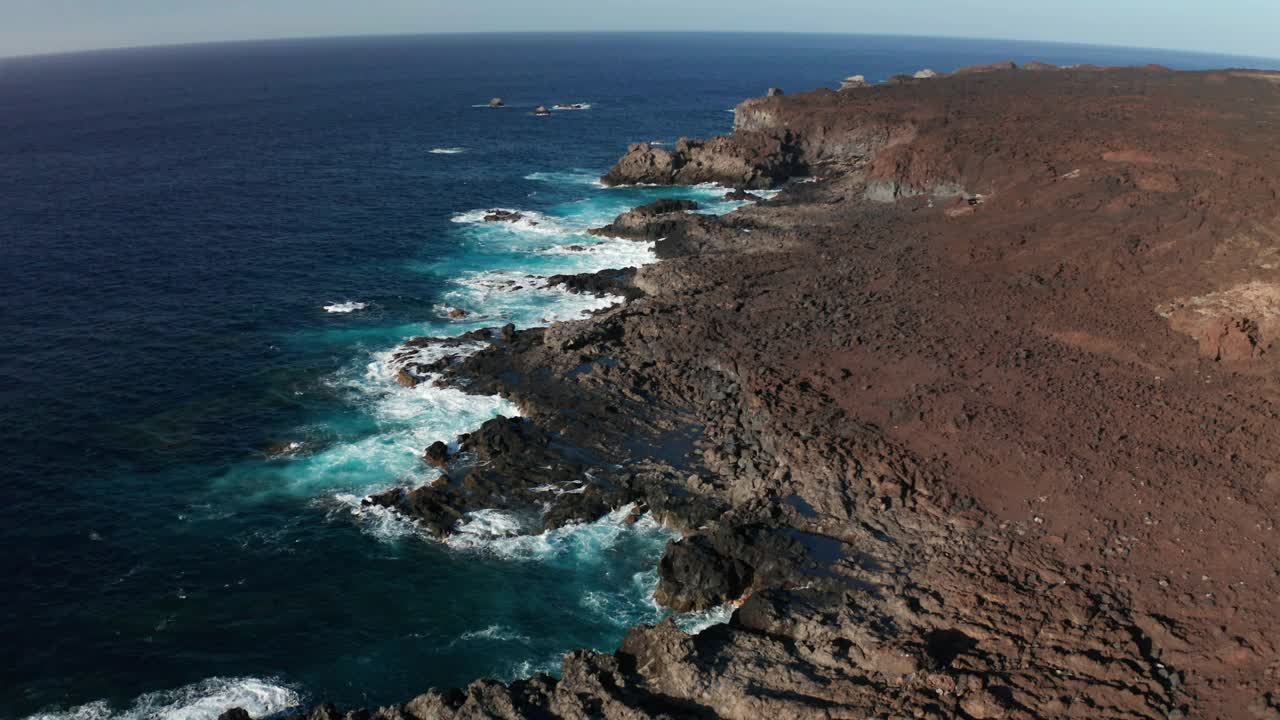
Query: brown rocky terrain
x,y
981,422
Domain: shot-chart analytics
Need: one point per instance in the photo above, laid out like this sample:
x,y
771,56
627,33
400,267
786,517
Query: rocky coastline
x,y
978,421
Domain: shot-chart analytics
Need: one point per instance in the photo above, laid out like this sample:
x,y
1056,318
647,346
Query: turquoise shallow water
x,y
208,254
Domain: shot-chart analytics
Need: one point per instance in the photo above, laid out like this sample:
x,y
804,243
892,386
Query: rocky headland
x,y
980,420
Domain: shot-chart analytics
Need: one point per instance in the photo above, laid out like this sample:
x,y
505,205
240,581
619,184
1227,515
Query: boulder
x,y
457,313
741,196
437,454
407,378
695,576
1231,339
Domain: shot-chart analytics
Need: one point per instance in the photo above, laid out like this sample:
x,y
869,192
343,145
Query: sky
x,y
1243,27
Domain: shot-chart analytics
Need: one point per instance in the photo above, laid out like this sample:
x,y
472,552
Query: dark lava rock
x,y
648,222
507,464
437,454
235,713
695,576
741,196
502,216
604,282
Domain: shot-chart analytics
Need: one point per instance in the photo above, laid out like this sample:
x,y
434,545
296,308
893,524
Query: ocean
x,y
207,255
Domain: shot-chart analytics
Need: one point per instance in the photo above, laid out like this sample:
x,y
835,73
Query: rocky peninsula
x,y
979,417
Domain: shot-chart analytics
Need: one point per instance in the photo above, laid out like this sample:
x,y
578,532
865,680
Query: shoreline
x,y
877,407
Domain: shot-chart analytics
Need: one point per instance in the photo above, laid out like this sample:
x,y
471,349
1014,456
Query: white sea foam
x,y
494,632
447,150
493,529
695,622
385,364
387,447
605,254
572,106
523,298
204,700
506,535
527,668
382,523
572,487
531,221
345,307
574,177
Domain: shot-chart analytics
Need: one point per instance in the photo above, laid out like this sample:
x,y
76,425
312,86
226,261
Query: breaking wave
x,y
345,307
205,700
494,632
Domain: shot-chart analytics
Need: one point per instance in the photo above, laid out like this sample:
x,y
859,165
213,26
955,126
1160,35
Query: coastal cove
x,y
216,255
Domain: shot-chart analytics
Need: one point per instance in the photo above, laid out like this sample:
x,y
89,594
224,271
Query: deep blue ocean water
x,y
187,430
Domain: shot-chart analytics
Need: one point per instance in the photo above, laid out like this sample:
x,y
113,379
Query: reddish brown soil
x,y
1016,349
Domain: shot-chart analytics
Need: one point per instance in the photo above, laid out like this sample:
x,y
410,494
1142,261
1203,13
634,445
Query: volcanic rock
x,y
503,216
1004,446
749,160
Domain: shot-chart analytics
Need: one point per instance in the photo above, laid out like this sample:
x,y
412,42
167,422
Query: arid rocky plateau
x,y
979,417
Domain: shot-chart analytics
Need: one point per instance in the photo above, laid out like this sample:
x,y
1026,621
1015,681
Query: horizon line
x,y
389,35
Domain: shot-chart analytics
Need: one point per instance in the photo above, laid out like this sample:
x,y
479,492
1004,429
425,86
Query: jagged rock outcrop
x,y
748,160
648,222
